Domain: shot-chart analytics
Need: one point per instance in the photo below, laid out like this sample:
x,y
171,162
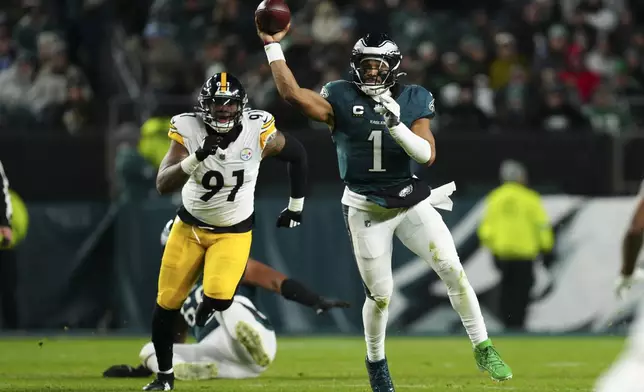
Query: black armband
x,y
294,153
295,291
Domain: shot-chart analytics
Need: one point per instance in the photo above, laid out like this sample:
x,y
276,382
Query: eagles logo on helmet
x,y
221,102
375,60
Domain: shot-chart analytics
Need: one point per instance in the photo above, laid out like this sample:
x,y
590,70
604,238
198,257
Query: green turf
x,y
322,364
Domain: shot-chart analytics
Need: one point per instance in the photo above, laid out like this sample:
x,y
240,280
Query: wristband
x,y
296,205
190,164
295,291
274,52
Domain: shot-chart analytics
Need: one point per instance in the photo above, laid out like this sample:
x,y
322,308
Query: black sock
x,y
163,322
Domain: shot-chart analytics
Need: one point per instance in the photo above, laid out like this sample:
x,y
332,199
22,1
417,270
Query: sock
x,y
163,322
464,301
374,318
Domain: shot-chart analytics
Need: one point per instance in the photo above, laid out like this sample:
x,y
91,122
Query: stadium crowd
x,y
41,87
531,65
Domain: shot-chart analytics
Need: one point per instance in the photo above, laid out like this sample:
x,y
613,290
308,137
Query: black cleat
x,y
379,376
127,371
163,382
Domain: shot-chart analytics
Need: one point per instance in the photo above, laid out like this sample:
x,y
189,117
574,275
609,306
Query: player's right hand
x,y
5,235
624,283
289,219
270,38
209,146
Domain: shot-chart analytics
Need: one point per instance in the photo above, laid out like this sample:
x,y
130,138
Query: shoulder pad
x,y
333,87
424,99
182,125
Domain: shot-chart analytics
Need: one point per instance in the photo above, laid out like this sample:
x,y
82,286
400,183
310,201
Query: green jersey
x,y
189,310
370,160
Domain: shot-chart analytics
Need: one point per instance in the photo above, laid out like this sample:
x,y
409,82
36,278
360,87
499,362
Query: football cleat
x,y
379,376
163,382
252,342
489,360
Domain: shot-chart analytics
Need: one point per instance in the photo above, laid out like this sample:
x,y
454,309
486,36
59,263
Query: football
x,y
273,16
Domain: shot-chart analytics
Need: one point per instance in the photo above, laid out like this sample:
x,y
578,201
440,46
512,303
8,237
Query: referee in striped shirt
x,y
8,263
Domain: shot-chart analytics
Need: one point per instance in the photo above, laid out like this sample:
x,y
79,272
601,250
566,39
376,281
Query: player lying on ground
x,y
236,343
379,125
627,374
214,158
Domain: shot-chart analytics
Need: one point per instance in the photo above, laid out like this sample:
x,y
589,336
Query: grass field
x,y
321,364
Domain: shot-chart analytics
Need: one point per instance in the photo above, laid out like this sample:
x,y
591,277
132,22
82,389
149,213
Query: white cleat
x,y
195,371
250,339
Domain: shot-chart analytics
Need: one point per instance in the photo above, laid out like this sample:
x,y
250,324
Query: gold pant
x,y
223,257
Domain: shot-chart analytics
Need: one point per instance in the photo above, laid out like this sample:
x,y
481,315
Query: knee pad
x,y
208,306
382,302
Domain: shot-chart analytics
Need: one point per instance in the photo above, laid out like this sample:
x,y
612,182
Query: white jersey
x,y
221,191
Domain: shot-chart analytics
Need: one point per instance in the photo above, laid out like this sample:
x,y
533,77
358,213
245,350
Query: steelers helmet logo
x,y
246,154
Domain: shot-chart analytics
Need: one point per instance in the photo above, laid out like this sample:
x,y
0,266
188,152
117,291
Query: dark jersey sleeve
x,y
334,92
425,101
5,198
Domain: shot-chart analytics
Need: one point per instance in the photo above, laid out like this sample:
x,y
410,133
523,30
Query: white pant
x,y
221,346
420,228
627,373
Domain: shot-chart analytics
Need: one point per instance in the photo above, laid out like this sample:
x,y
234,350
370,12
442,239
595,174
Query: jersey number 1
x,y
376,137
219,183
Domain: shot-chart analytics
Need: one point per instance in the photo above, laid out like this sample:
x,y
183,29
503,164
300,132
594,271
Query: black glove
x,y
209,147
127,371
326,304
289,219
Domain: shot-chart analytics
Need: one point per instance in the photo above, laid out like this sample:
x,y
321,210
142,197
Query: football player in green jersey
x,y
236,343
379,126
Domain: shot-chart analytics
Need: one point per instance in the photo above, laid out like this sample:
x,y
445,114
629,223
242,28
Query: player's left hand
x,y
270,38
389,109
289,219
326,304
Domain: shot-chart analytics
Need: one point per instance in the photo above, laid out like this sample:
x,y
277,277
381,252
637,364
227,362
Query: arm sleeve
x,y
5,199
294,153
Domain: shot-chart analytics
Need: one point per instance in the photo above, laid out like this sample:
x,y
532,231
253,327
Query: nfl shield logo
x,y
246,154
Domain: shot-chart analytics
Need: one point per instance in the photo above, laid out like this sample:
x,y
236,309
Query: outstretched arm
x,y
262,275
289,149
308,101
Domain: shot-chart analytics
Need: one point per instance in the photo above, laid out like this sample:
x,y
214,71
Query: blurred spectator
x,y
371,16
164,61
556,53
577,77
59,88
506,59
35,21
516,229
515,102
606,115
214,54
465,115
135,177
16,83
600,59
326,27
557,115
